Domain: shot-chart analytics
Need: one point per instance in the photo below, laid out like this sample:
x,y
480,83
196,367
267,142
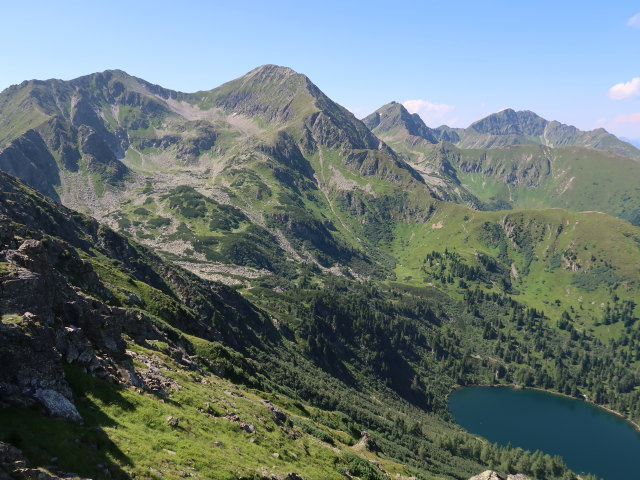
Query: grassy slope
x,y
536,177
580,179
126,432
592,239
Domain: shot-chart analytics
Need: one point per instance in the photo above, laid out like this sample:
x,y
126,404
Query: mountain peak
x,y
271,70
395,118
274,76
284,96
511,122
273,92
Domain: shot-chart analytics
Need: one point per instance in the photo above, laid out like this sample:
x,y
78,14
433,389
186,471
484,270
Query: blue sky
x,y
457,61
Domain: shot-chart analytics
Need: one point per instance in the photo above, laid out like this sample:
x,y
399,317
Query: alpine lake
x,y
588,438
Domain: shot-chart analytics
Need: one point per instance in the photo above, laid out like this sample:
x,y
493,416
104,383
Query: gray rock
x,y
488,475
493,475
57,404
173,422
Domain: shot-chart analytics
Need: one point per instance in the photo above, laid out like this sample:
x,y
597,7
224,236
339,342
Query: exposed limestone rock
x,y
278,415
488,475
232,417
366,442
173,422
288,476
57,404
493,475
152,377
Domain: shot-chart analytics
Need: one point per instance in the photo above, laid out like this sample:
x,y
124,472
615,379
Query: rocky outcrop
x,y
488,475
13,465
366,443
493,475
47,323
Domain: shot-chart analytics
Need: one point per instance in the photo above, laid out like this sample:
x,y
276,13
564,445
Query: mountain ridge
x,y
509,127
518,171
109,134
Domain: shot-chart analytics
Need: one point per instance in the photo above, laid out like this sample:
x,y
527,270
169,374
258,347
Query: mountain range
x,y
518,160
502,129
301,287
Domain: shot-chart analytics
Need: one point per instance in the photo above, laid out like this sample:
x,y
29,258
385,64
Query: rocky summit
x,y
249,282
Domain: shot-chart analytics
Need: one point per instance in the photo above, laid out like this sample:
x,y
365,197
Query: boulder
x,y
493,475
57,405
173,422
488,475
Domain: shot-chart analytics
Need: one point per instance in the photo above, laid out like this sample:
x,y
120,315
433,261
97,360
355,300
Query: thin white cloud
x,y
634,21
633,118
623,125
431,113
630,89
357,111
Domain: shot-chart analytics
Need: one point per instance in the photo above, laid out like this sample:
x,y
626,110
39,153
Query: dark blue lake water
x,y
590,440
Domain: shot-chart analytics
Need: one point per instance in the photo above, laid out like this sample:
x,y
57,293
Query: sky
x,y
452,62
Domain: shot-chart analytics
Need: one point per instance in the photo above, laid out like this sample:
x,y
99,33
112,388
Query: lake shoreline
x,y
587,436
514,386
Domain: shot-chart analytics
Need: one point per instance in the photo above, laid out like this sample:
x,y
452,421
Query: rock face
x,y
29,158
46,323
